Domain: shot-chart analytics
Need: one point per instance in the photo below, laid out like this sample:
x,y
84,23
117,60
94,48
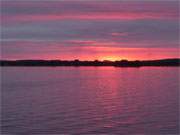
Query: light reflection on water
x,y
45,100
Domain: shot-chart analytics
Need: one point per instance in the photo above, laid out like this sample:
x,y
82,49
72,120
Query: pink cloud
x,y
87,10
117,34
87,16
44,50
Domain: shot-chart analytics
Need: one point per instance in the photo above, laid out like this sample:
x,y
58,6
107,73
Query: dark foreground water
x,y
85,100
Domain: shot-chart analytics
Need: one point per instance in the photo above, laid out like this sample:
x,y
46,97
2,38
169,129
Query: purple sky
x,y
96,29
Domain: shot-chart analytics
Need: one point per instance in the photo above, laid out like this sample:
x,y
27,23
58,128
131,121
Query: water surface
x,y
82,100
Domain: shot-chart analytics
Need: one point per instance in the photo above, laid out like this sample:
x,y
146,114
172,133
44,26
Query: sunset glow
x,y
90,67
90,30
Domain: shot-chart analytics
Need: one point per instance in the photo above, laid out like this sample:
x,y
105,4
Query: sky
x,y
89,29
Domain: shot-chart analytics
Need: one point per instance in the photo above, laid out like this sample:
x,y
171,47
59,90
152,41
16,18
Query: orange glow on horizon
x,y
111,58
101,53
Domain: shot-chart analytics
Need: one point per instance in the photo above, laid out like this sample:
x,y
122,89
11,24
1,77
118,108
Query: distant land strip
x,y
121,63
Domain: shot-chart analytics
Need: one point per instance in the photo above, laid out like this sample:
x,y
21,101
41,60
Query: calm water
x,y
54,100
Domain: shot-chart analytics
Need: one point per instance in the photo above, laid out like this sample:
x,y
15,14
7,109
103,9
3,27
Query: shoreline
x,y
96,63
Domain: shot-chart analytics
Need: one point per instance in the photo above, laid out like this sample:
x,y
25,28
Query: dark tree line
x,y
121,63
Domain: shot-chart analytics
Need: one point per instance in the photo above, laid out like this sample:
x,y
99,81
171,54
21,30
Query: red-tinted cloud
x,y
89,30
44,50
59,10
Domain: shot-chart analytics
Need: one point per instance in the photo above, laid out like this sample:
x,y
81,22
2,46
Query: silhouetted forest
x,y
121,63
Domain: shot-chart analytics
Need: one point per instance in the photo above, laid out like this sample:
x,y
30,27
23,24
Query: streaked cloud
x,y
30,11
49,50
86,29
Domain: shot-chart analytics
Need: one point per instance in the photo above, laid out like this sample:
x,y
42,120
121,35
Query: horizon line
x,y
85,60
